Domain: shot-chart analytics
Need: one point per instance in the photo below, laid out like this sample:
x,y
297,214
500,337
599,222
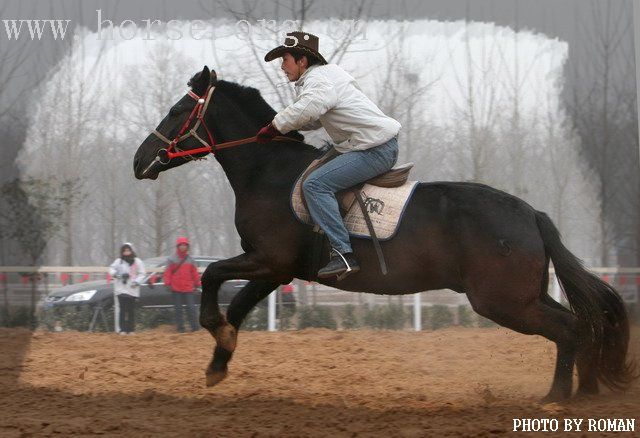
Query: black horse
x,y
467,237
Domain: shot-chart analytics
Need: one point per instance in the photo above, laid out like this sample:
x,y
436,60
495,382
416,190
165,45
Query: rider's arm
x,y
311,126
317,97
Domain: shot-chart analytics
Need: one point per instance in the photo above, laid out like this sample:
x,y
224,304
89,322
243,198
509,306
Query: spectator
x,y
181,278
128,272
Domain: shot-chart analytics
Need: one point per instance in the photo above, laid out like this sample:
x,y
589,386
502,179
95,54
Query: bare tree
x,y
516,83
400,90
152,89
297,12
57,147
28,218
13,57
603,87
477,115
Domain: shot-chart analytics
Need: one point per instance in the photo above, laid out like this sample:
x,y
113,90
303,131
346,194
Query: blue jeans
x,y
344,171
180,299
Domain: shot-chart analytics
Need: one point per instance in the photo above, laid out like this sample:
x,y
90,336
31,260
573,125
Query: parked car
x,y
99,294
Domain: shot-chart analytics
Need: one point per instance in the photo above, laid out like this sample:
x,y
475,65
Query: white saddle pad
x,y
385,206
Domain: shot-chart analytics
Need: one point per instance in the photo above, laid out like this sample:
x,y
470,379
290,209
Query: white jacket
x,y
329,97
136,274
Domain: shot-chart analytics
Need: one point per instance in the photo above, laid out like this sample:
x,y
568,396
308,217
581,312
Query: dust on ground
x,y
451,382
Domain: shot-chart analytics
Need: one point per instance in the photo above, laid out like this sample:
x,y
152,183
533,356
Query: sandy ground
x,y
454,382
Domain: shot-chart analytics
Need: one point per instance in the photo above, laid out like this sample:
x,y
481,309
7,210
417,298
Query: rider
x,y
329,97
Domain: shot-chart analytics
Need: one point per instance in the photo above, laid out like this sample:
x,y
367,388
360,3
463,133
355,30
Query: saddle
x,y
396,177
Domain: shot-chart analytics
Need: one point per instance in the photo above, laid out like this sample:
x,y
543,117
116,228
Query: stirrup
x,y
346,263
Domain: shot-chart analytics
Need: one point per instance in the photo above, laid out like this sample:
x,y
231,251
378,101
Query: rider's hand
x,y
266,134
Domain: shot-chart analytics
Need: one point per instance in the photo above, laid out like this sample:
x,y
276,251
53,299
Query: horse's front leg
x,y
243,266
240,306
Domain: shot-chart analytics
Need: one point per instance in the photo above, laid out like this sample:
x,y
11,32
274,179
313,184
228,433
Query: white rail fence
x,y
18,282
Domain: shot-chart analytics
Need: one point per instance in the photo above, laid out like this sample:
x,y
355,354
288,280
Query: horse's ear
x,y
214,78
204,78
200,81
205,74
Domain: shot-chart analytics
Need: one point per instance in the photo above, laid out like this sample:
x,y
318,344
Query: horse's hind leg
x,y
587,370
533,316
560,327
240,306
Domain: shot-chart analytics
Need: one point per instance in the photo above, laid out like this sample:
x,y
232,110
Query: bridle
x,y
173,151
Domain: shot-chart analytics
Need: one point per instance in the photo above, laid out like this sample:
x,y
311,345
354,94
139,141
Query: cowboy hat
x,y
298,41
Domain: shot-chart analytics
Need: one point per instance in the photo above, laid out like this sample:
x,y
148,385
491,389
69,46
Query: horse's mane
x,y
251,100
248,98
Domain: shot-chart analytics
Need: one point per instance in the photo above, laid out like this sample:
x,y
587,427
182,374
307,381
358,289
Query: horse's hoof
x,y
587,391
586,394
215,377
226,337
554,398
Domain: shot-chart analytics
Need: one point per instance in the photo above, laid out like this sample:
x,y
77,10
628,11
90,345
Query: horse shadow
x,y
31,410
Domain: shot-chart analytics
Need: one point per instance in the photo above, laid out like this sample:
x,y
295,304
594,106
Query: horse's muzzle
x,y
145,172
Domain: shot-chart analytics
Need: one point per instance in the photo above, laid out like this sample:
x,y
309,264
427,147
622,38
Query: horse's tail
x,y
604,326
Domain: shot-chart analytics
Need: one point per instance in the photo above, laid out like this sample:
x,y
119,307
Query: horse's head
x,y
182,135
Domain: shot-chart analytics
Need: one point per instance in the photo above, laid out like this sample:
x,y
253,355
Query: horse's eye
x,y
174,111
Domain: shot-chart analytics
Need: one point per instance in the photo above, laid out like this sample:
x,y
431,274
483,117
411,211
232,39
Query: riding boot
x,y
340,265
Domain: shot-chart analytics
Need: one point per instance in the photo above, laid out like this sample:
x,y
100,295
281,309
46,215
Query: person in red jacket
x,y
181,278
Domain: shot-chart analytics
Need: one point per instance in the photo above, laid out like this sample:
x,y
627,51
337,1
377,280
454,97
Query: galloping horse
x,y
466,237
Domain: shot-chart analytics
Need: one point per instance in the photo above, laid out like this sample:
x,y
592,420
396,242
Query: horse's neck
x,y
253,168
256,167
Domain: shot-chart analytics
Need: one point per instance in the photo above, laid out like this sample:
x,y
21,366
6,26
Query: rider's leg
x,y
342,172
